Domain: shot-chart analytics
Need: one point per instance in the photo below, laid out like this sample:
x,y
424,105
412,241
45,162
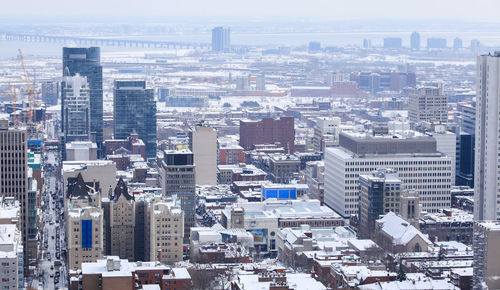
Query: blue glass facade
x,y
86,233
135,111
87,62
279,193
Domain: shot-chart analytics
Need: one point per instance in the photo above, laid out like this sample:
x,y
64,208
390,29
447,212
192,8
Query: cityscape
x,y
217,152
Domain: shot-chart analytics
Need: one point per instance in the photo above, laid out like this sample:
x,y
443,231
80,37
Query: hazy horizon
x,y
318,10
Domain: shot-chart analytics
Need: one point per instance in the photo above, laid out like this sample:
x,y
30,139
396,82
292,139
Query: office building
x,y
457,43
260,82
50,93
486,247
166,230
326,133
203,144
283,168
11,257
268,131
178,178
81,151
429,104
229,152
466,139
75,101
415,41
101,173
436,43
122,222
380,193
393,43
221,39
84,223
135,112
14,181
414,156
314,46
487,158
87,63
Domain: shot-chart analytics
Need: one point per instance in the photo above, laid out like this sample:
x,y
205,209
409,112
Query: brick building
x,y
268,131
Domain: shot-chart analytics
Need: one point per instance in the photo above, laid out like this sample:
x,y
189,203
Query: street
x,y
52,272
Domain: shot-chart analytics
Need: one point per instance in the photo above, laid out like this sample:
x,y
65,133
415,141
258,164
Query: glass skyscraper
x,y
135,111
87,63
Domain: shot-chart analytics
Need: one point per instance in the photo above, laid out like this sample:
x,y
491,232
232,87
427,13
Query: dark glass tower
x,y
135,111
87,63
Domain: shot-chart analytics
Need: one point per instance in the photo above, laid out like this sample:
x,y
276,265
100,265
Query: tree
x,y
401,273
202,278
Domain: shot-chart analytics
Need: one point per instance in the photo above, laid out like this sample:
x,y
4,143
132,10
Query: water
x,y
8,49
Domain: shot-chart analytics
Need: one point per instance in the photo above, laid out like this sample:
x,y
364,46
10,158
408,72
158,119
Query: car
x,y
52,237
51,267
51,275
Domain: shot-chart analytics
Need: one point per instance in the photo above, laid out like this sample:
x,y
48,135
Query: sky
x,y
462,10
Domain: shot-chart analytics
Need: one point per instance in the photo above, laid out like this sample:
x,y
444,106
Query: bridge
x,y
84,41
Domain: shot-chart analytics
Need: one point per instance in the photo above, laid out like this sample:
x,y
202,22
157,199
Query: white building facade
x,y
430,174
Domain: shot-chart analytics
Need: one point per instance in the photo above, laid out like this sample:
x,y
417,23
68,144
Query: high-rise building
x,y
122,222
466,145
414,156
135,112
393,43
429,104
380,193
87,63
268,131
486,172
166,224
457,43
203,144
178,178
221,39
415,41
260,82
486,246
436,43
326,133
75,100
14,177
50,93
84,223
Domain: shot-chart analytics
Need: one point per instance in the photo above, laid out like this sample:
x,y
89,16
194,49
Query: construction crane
x,y
29,88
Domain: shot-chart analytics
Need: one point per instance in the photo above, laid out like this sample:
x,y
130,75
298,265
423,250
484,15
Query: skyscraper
x,y
87,63
457,43
14,175
415,41
135,112
203,143
76,109
221,39
178,178
486,172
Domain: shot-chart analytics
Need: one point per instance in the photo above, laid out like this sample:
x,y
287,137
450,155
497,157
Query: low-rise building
x,y
227,174
396,235
11,257
448,225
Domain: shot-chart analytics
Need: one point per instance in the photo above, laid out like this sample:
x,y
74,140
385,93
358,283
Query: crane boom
x,y
29,87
